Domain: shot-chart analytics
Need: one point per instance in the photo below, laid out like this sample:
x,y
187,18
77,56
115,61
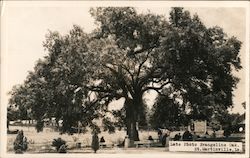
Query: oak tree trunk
x,y
131,119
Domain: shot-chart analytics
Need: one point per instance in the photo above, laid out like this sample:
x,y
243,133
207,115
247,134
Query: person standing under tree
x,y
160,135
164,139
213,134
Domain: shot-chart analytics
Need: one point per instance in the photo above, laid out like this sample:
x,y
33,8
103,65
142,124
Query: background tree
x,y
199,63
54,88
231,122
168,113
65,72
12,115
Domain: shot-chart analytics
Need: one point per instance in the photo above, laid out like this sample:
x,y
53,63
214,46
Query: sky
x,y
24,26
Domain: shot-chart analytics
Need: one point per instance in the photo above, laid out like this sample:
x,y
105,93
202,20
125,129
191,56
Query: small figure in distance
x,y
214,134
159,134
186,135
190,136
150,138
179,136
164,138
207,135
195,136
176,137
102,140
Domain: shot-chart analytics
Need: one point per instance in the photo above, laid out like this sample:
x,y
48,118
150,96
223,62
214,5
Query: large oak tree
x,y
127,55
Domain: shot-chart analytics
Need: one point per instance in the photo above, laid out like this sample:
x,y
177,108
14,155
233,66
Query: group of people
x,y
187,136
21,144
161,137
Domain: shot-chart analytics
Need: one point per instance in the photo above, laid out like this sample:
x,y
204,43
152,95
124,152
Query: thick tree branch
x,y
140,67
156,88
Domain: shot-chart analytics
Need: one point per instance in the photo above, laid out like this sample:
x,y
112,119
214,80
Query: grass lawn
x,y
42,141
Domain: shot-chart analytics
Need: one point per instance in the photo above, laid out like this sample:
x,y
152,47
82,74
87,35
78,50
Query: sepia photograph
x,y
124,79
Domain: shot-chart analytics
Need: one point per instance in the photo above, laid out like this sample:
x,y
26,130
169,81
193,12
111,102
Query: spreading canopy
x,y
127,55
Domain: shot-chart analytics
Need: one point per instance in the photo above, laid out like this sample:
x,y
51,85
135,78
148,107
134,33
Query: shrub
x,y
20,143
39,126
60,145
95,142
